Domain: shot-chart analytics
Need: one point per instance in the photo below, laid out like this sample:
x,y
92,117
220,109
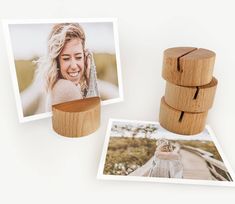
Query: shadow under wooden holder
x,y
76,118
188,66
191,99
180,122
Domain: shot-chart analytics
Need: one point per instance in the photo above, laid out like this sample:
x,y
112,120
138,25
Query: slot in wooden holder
x,y
76,118
188,66
180,122
191,99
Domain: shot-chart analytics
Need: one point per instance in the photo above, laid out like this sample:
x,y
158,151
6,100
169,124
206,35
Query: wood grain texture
x,y
76,118
191,99
188,66
185,123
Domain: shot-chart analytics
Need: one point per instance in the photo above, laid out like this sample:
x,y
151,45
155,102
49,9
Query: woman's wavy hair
x,y
48,66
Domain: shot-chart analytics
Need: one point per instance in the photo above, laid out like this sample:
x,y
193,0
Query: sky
x,y
30,40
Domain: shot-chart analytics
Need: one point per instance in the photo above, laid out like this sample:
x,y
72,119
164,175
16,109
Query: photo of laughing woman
x,y
68,69
62,61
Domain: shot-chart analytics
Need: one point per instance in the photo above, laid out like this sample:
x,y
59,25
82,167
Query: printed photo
x,y
144,151
56,61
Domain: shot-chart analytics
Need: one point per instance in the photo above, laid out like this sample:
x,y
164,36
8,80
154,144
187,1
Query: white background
x,y
37,166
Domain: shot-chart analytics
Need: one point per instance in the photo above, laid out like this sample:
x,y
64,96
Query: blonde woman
x,y
68,69
166,161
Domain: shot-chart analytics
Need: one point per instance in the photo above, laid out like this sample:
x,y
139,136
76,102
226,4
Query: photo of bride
x,y
144,151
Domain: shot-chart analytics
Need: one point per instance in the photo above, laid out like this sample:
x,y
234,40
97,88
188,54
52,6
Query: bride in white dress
x,y
167,161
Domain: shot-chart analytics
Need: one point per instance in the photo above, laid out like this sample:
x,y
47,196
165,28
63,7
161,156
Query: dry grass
x,y
25,72
129,152
106,67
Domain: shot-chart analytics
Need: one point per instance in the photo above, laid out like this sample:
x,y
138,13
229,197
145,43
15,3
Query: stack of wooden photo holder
x,y
190,89
76,118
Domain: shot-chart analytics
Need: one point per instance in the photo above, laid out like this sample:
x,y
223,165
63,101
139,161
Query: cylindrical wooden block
x,y
191,99
76,118
188,66
180,122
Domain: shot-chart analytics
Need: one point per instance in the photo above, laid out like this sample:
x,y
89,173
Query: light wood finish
x,y
188,66
76,118
191,99
185,123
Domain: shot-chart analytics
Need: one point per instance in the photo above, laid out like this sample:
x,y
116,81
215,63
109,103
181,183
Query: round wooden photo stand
x,y
188,66
191,99
180,122
76,118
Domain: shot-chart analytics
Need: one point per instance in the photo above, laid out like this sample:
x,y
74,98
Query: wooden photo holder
x,y
76,118
180,122
191,99
188,66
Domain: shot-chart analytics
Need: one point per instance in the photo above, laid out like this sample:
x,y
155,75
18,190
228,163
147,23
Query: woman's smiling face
x,y
71,60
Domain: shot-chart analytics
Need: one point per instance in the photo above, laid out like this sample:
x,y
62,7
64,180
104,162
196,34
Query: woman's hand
x,y
65,90
88,61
